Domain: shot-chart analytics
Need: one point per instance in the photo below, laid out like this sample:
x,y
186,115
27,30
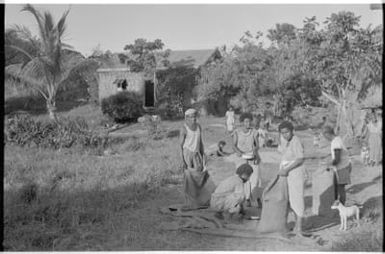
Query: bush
x,y
30,103
23,130
122,107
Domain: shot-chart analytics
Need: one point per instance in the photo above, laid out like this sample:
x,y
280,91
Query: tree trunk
x,y
51,108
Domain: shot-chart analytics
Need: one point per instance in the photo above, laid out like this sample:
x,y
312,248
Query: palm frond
x,y
61,25
21,31
48,22
66,46
38,17
15,73
21,37
20,50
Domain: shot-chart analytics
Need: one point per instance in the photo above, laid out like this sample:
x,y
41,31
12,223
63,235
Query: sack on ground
x,y
198,188
275,207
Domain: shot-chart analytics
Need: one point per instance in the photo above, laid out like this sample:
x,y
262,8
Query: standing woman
x,y
291,166
374,131
197,193
230,120
340,161
245,146
191,144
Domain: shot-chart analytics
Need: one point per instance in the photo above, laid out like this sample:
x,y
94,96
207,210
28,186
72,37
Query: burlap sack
x,y
275,207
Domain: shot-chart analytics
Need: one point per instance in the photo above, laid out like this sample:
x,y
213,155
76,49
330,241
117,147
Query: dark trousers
x,y
339,191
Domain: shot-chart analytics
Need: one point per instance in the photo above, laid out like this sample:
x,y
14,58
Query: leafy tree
x,y
175,85
283,33
298,90
54,62
242,76
145,56
349,63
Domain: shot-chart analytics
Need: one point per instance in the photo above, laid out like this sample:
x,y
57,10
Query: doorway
x,y
149,93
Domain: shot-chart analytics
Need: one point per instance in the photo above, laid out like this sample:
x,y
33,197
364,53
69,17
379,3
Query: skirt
x,y
343,174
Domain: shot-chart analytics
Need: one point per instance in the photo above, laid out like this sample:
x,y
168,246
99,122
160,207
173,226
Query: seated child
x,y
220,152
230,196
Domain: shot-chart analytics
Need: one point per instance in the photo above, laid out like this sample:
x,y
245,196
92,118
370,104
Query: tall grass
x,y
369,236
53,196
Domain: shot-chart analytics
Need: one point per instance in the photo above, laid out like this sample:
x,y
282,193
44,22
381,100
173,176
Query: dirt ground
x,y
366,189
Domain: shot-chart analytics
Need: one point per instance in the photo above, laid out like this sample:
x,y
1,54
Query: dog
x,y
347,212
365,155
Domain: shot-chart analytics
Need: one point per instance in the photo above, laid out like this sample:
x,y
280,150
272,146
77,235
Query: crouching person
x,y
230,196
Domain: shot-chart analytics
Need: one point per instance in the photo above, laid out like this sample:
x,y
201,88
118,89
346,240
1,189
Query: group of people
x,y
234,193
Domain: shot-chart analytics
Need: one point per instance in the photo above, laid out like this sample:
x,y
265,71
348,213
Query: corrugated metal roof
x,y
194,58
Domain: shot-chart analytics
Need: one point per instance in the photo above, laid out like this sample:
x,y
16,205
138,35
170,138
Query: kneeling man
x,y
229,196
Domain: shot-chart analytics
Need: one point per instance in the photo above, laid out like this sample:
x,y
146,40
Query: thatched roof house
x,y
114,76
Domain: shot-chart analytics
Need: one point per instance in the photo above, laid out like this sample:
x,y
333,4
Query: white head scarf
x,y
190,111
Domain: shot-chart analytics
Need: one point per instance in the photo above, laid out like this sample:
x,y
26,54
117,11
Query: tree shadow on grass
x,y
359,187
172,134
48,218
316,223
36,105
327,217
373,208
377,178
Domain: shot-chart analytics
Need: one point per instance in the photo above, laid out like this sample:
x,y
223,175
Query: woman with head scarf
x,y
191,141
229,196
197,187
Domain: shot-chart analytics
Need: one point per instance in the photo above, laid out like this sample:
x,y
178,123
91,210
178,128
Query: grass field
x,y
71,200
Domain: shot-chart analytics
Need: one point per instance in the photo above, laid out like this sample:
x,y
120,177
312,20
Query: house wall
x,y
135,82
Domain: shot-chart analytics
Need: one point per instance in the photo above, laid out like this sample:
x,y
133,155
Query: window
x,y
121,84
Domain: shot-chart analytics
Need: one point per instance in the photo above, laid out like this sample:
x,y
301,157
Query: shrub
x,y
23,130
30,103
122,107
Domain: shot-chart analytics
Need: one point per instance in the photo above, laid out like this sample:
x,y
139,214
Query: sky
x,y
180,27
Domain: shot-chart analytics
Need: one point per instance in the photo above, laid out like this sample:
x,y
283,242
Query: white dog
x,y
346,212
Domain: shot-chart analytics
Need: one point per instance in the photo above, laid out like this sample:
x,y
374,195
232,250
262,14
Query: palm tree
x,y
53,62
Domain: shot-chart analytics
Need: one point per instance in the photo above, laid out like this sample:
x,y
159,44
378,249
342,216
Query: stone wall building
x,y
113,77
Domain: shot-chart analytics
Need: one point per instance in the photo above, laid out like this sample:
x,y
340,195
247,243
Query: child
x,y
262,135
230,120
220,152
365,156
340,163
